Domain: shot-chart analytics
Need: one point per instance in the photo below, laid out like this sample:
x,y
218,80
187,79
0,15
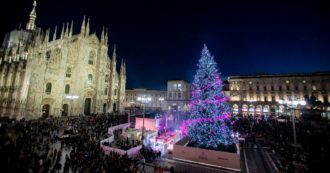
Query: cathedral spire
x,y
46,40
122,67
62,31
55,33
71,29
38,38
33,15
102,36
114,54
66,34
106,38
83,28
87,28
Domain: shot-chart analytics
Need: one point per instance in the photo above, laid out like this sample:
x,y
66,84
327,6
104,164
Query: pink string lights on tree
x,y
206,126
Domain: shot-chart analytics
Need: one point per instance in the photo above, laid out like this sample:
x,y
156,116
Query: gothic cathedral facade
x,y
65,75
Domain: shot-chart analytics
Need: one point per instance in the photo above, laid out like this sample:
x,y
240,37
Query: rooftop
x,y
280,75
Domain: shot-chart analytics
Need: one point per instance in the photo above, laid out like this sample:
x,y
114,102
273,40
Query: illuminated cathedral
x,y
60,75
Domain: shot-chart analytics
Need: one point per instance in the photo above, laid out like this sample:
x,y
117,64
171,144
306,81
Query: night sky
x,y
162,40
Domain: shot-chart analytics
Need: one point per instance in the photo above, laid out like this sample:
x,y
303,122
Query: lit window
x,y
287,81
179,85
303,81
314,88
250,82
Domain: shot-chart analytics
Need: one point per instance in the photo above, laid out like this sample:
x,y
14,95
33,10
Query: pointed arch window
x,y
90,79
58,53
48,88
105,91
68,72
115,92
67,89
91,57
48,54
106,78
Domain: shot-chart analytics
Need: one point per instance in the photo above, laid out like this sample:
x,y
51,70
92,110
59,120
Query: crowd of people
x,y
149,154
28,146
126,144
311,153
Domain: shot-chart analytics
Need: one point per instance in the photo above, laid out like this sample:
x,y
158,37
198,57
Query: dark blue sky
x,y
162,40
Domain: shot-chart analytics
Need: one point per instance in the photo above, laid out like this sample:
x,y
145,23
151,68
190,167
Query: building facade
x,y
66,74
151,99
178,95
175,98
273,94
248,95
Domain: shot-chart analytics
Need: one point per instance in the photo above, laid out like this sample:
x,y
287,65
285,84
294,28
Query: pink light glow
x,y
167,137
216,100
195,92
200,120
149,124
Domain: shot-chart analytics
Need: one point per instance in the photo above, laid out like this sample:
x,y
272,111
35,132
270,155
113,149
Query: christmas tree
x,y
207,127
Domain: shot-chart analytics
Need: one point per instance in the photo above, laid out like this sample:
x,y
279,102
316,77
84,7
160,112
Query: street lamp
x,y
291,105
161,99
143,100
71,97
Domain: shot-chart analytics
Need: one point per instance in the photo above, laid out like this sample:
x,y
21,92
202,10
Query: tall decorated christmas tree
x,y
207,124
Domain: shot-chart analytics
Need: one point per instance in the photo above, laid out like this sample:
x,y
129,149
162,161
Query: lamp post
x,y
71,97
161,99
291,105
293,127
143,113
143,100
